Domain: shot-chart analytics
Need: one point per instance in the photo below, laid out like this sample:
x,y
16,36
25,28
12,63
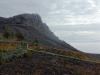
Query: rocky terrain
x,y
32,27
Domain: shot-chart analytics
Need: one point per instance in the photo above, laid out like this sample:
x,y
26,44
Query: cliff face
x,y
32,27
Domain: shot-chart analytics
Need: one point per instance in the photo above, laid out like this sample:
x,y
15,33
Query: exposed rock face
x,y
32,27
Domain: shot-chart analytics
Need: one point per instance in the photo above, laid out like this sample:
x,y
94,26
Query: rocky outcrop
x,y
32,27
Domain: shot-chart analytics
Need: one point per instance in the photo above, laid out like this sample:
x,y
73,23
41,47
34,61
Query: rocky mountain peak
x,y
27,19
32,27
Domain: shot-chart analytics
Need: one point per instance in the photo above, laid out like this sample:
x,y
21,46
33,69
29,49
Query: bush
x,y
19,36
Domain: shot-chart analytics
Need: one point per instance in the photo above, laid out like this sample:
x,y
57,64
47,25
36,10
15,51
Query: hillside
x,y
32,27
28,47
44,63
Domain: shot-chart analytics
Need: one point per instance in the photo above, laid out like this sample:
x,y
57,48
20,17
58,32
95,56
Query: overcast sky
x,y
75,21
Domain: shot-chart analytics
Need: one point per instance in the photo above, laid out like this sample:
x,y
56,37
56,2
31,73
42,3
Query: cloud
x,y
24,6
73,12
76,27
54,11
76,7
88,47
79,36
92,3
75,21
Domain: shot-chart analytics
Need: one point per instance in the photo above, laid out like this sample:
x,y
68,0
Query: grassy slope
x,y
46,63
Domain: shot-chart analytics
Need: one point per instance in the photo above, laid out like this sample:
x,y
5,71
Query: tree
x,y
19,36
35,42
6,34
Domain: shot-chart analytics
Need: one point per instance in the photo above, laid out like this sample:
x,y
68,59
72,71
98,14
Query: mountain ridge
x,y
32,27
50,56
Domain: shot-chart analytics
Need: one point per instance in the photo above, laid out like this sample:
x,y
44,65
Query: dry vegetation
x,y
7,45
42,60
75,54
46,64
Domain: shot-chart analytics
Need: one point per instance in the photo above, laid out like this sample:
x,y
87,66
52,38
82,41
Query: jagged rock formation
x,y
32,27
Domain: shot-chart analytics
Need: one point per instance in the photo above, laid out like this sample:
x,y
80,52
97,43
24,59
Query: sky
x,y
75,21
